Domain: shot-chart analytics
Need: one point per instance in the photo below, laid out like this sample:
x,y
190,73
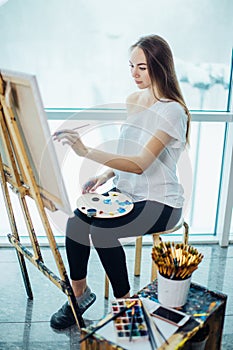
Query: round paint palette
x,y
115,204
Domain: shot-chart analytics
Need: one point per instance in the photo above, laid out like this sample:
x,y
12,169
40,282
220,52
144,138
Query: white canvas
x,y
27,106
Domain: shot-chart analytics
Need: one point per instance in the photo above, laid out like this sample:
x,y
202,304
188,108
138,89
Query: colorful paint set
x,y
130,325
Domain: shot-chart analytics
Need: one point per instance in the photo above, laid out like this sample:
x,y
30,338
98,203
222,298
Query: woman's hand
x,y
71,138
93,183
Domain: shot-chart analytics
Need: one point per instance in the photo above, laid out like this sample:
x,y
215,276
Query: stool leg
x,y
106,291
156,241
138,256
153,271
186,233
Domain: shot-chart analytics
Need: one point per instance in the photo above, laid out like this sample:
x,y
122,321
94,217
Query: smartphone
x,y
170,315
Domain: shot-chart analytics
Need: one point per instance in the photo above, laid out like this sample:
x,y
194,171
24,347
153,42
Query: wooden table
x,y
206,308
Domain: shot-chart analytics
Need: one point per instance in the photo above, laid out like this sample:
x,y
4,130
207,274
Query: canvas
x,y
23,96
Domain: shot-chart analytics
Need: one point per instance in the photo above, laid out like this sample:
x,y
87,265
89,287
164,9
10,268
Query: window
x,y
79,49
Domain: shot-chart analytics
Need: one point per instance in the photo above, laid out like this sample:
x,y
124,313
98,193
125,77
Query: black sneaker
x,y
64,317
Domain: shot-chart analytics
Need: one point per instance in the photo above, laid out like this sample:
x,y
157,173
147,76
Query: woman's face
x,y
139,69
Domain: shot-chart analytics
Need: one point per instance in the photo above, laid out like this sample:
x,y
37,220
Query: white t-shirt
x,y
159,182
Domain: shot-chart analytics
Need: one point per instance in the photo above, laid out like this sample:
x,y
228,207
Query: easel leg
x,y
63,284
14,230
26,280
78,316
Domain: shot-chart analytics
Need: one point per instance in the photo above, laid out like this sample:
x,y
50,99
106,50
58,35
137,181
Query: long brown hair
x,y
162,71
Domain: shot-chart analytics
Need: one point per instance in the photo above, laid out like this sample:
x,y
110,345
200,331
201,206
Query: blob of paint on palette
x,y
91,212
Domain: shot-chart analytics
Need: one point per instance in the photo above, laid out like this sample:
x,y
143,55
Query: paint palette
x,y
124,327
114,204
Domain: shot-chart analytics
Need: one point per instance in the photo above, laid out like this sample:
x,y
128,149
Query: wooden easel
x,y
18,174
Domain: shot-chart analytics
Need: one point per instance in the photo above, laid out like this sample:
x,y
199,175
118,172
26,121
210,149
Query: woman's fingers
x,y
60,135
70,137
88,186
95,186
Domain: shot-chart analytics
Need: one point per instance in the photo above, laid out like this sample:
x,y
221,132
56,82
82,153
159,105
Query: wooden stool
x,y
156,241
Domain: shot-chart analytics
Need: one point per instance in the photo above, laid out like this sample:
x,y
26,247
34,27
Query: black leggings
x,y
147,217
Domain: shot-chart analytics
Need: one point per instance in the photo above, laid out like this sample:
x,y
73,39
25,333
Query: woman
x,y
144,167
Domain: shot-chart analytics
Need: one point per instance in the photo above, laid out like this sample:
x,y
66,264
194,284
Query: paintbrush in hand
x,y
76,128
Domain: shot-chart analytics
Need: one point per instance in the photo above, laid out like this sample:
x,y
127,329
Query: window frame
x,y
225,196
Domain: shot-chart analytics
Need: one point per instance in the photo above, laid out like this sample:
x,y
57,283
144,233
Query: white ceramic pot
x,y
173,293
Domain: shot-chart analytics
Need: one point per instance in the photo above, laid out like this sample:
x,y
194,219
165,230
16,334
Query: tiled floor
x,y
24,324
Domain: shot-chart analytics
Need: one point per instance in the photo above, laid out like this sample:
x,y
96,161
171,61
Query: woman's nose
x,y
135,73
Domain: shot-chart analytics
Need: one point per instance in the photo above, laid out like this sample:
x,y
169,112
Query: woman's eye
x,y
142,68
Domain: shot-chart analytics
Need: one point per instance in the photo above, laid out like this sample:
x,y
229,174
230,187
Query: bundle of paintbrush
x,y
176,261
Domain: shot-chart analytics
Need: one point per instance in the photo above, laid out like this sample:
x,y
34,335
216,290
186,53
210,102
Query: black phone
x,y
170,315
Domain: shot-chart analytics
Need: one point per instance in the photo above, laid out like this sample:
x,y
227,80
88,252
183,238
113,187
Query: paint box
x,y
123,324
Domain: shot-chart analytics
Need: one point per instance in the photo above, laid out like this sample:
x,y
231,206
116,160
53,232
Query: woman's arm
x,y
133,164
